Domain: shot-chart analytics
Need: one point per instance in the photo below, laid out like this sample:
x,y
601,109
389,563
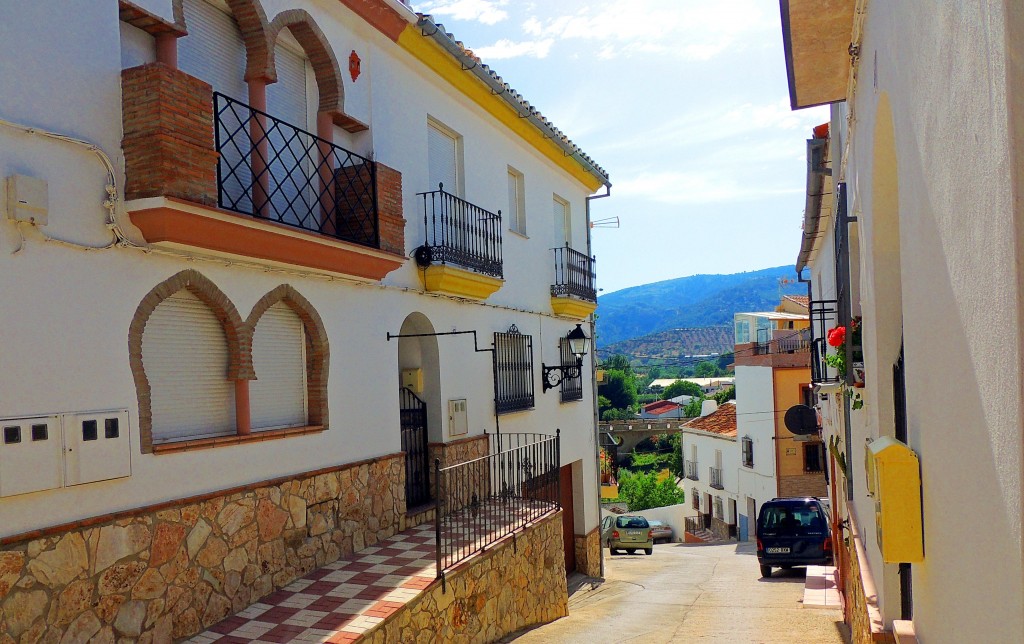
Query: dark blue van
x,y
793,532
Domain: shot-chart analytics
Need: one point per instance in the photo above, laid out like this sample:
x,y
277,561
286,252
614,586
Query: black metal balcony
x,y
276,171
785,341
691,470
823,317
460,233
716,478
574,275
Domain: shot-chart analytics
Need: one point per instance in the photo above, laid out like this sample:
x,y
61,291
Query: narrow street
x,y
687,593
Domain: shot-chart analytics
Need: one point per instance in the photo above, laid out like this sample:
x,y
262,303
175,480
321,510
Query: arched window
x,y
277,398
186,359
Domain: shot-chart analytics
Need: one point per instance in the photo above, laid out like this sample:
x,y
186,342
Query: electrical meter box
x,y
897,488
31,455
96,446
412,379
458,420
27,199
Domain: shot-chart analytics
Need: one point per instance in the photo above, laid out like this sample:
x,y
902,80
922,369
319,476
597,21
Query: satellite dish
x,y
801,420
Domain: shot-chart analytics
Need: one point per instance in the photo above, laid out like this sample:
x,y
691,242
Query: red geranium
x,y
837,336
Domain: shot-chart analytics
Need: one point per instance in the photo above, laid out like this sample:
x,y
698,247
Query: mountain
x,y
690,302
673,343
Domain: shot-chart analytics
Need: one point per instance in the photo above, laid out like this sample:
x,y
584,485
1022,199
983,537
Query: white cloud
x,y
488,12
506,48
692,31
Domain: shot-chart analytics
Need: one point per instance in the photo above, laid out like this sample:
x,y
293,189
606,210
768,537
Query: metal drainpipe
x,y
593,382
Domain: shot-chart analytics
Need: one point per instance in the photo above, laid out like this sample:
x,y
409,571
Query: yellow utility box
x,y
897,501
412,379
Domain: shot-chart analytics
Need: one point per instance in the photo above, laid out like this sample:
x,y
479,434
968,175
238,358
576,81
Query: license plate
x,y
633,533
777,551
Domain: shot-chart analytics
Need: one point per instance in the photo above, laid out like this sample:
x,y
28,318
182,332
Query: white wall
x,y
707,444
755,417
64,322
957,220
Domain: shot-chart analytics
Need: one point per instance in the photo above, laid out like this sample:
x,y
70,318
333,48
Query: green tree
x,y
643,491
619,388
692,409
619,362
706,369
726,394
681,388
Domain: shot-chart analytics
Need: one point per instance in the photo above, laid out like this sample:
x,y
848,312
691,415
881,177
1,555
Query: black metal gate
x,y
414,444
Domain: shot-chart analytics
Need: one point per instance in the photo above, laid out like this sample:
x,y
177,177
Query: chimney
x,y
708,407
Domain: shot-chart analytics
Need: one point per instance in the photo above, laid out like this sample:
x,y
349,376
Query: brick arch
x,y
321,56
317,347
259,45
235,330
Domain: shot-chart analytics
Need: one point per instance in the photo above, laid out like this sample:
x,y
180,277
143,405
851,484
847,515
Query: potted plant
x,y
836,339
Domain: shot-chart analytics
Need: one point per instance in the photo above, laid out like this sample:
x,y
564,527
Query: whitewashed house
x,y
261,263
912,228
710,461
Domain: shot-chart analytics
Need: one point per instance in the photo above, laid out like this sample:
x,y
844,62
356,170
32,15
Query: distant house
x,y
709,386
711,460
662,409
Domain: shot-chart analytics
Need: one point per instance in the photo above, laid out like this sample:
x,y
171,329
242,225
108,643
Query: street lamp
x,y
553,376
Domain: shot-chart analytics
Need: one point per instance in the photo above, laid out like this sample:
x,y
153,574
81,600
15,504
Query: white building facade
x,y
223,216
711,459
913,229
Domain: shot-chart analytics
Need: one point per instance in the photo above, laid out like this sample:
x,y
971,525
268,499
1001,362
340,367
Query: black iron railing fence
x,y
482,500
691,470
276,171
460,233
716,477
574,274
694,524
823,318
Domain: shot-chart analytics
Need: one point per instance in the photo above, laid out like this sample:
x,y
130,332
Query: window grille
x,y
571,387
813,457
747,446
695,498
513,371
719,508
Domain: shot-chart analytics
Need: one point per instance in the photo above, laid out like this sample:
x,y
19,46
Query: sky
x,y
685,105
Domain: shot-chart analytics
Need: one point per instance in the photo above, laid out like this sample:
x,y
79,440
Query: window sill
x,y
518,234
220,441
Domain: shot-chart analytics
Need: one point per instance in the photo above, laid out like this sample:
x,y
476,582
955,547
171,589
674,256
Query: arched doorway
x,y
419,404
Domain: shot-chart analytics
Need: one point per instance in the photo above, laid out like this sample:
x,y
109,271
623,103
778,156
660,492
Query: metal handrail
x,y
461,233
273,170
484,499
574,274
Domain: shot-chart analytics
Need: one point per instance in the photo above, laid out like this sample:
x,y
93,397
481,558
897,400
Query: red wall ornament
x,y
354,64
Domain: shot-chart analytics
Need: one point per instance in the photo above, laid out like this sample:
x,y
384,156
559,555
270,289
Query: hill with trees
x,y
688,303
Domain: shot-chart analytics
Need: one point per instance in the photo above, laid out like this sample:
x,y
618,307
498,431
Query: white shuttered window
x,y
443,159
277,398
213,50
185,356
562,224
516,208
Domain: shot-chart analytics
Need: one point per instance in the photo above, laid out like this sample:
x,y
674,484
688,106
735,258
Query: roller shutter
x,y
185,357
290,152
277,398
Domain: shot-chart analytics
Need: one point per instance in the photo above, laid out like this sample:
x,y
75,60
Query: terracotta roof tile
x,y
660,406
802,300
722,421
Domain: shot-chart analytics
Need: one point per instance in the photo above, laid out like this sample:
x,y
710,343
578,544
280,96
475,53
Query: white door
x,y
562,224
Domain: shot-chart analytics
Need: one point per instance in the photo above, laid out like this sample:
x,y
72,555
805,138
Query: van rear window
x,y
792,519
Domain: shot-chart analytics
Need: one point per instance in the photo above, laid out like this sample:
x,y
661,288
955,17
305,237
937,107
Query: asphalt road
x,y
690,593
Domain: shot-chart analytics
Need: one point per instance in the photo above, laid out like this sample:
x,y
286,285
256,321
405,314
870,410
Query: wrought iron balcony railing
x,y
276,171
460,233
482,500
785,342
691,470
716,478
574,275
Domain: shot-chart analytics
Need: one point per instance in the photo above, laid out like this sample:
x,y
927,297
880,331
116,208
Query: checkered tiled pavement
x,y
344,599
340,601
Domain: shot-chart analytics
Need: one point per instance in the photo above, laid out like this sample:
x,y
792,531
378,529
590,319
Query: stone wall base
x,y
588,553
513,585
803,485
169,571
863,628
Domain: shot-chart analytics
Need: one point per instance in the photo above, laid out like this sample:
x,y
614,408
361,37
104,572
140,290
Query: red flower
x,y
837,336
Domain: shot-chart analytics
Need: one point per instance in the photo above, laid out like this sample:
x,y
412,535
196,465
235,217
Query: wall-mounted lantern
x,y
553,376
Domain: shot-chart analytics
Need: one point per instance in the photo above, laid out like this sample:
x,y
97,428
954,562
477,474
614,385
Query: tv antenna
x,y
607,222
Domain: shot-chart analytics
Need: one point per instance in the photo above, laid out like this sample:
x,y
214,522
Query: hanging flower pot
x,y
858,374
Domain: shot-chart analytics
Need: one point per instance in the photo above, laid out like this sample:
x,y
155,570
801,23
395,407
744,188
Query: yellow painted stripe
x,y
439,60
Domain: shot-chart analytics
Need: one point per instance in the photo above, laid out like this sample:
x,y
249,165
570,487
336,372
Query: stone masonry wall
x,y
859,615
507,588
803,485
588,553
169,571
